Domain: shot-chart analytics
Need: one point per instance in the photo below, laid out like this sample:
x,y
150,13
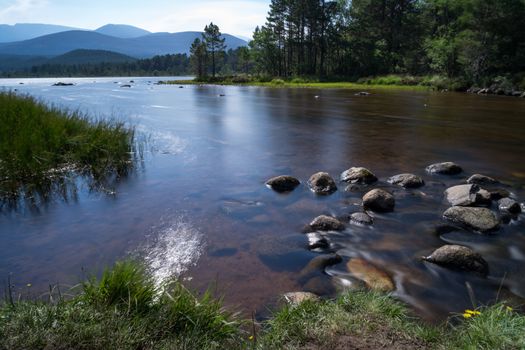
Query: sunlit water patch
x,y
174,247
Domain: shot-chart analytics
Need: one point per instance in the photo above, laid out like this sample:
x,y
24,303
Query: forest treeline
x,y
177,64
465,41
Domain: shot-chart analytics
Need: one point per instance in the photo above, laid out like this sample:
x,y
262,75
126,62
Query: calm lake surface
x,y
198,206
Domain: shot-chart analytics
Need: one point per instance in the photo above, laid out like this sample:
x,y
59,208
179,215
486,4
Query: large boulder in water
x,y
509,205
467,195
322,183
374,278
326,223
358,175
446,168
459,258
283,183
407,180
477,219
479,179
379,200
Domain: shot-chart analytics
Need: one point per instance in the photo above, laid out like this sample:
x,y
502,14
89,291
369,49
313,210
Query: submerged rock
x,y
296,298
319,263
379,200
283,183
477,219
479,179
467,195
361,219
125,86
358,175
374,278
459,258
509,205
407,180
322,183
446,168
326,223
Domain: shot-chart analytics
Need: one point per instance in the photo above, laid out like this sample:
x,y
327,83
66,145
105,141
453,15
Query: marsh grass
x,y
123,309
42,146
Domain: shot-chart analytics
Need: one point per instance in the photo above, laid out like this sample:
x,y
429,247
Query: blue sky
x,y
232,16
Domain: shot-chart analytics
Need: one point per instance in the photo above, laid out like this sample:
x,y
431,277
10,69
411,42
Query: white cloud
x,y
20,7
234,17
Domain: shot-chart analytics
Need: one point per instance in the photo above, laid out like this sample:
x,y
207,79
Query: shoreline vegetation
x,y
125,309
434,83
43,148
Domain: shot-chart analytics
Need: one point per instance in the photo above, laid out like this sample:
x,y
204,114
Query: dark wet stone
x,y
319,263
361,219
296,298
459,258
467,195
283,183
407,180
315,241
479,179
379,201
322,183
477,219
509,205
358,175
326,223
125,86
63,84
499,193
446,168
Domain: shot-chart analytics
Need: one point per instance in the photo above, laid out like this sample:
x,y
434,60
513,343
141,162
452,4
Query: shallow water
x,y
198,206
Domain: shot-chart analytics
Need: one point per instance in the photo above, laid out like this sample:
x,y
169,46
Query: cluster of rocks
x,y
469,210
496,90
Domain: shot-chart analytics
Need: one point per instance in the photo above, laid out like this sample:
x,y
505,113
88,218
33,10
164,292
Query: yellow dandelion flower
x,y
250,337
472,312
467,315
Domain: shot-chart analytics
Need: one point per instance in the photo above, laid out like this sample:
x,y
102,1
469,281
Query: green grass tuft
x,y
121,310
40,145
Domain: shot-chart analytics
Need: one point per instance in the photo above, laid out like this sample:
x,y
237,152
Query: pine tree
x,y
214,42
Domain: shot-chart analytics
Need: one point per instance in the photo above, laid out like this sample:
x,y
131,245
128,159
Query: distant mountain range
x,y
25,31
121,39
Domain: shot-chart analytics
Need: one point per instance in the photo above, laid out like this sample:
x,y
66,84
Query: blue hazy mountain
x,y
141,47
25,31
122,31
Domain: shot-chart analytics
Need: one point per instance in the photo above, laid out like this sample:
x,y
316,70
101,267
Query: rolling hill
x,y
82,56
26,31
122,31
142,47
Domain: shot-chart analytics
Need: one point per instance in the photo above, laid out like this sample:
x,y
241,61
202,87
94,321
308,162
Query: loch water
x,y
197,206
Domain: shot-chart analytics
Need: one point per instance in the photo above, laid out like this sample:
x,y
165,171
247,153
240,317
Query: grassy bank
x,y
384,82
124,309
39,142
